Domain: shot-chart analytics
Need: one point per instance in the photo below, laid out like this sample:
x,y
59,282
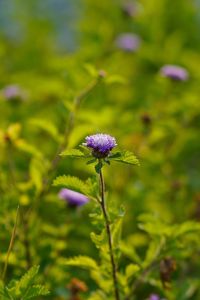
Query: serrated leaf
x,y
24,288
85,262
126,157
73,183
73,153
186,227
27,279
98,239
35,291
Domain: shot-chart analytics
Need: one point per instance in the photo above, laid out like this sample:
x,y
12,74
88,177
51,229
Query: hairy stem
x,y
10,245
109,236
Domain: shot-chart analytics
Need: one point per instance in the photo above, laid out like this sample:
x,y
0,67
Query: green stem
x,y
26,241
10,245
109,236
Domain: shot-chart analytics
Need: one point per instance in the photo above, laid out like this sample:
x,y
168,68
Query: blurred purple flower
x,y
130,8
101,144
154,297
73,198
174,72
13,92
128,42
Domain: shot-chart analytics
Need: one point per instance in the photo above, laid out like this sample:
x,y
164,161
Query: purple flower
x,y
73,198
128,42
101,144
174,72
130,9
154,297
13,92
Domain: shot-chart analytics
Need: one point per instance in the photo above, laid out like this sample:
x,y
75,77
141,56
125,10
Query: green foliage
x,y
73,153
126,157
24,288
130,271
87,187
82,261
48,127
62,78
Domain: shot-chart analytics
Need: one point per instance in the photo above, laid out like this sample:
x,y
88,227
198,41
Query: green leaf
x,y
22,145
73,153
37,169
27,279
153,252
74,183
3,292
116,232
99,239
85,262
186,227
131,270
78,134
98,295
118,79
92,71
35,291
91,161
24,288
130,252
48,127
126,157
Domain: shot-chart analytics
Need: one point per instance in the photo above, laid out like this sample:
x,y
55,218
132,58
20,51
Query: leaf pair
x,y
126,157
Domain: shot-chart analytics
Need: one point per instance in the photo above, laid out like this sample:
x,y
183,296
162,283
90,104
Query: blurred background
x,y
148,98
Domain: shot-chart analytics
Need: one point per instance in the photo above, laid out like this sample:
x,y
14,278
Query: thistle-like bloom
x,y
13,92
128,42
101,144
174,72
154,297
73,198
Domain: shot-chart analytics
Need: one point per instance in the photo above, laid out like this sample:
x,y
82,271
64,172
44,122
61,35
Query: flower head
x,y
13,92
128,42
101,144
174,72
73,198
154,297
130,8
